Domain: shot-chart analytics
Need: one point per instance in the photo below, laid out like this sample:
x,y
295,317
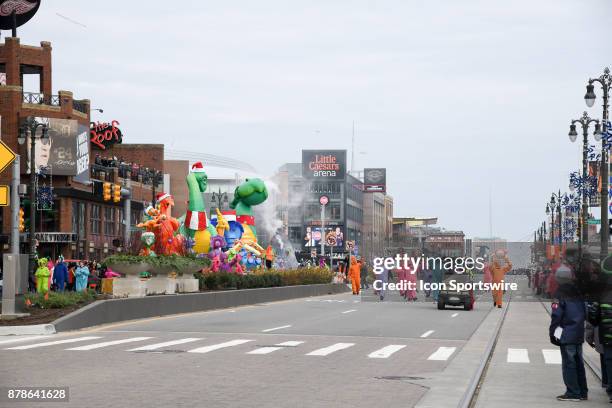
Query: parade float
x,y
173,249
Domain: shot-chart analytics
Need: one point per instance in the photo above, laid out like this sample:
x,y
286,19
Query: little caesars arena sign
x,y
324,164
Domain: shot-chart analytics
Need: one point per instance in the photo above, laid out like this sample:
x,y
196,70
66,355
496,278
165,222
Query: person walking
x,y
593,338
355,274
81,274
363,272
567,331
499,267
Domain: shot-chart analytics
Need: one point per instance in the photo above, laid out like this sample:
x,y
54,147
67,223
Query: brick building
x,y
75,220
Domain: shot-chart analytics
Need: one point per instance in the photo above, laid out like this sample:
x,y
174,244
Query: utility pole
x,y
15,205
127,210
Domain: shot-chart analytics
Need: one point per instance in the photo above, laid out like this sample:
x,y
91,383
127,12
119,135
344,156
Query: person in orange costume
x,y
499,270
355,275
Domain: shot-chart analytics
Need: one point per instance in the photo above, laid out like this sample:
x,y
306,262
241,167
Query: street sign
x,y
323,200
593,221
5,196
6,156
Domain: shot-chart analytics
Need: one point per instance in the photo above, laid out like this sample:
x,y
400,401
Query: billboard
x,y
334,236
324,164
65,152
375,180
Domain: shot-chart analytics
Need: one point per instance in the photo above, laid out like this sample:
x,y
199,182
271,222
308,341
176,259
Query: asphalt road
x,y
332,351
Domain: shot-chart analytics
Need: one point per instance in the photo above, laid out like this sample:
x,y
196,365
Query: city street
x,y
353,353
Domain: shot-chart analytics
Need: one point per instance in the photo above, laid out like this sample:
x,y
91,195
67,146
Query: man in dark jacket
x,y
567,331
60,274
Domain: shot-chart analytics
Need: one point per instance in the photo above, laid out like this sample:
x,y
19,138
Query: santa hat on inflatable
x,y
197,167
162,196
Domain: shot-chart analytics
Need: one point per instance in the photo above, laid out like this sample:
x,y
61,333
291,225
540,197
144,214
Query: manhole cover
x,y
399,378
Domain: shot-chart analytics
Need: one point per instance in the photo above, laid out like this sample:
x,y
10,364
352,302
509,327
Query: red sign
x,y
323,200
103,134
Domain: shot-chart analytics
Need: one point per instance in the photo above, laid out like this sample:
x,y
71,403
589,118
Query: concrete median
x,y
117,310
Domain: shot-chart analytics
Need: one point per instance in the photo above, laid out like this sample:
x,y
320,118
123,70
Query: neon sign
x,y
104,134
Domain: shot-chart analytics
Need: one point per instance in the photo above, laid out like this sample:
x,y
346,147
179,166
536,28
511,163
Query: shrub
x,y
263,278
59,300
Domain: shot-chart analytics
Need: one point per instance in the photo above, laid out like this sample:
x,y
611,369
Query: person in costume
x,y
42,276
81,275
60,274
499,267
355,275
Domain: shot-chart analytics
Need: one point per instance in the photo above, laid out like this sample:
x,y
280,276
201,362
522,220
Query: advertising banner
x,y
375,180
334,236
324,164
65,152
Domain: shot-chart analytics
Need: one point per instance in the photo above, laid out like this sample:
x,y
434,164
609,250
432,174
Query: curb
x,y
449,389
27,330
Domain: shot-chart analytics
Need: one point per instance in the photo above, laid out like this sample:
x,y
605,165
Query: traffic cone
x,y
46,295
28,302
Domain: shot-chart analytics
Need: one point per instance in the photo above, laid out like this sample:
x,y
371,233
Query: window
x,y
109,221
96,221
78,219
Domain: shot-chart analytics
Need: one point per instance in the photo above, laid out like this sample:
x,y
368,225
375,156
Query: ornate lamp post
x,y
28,129
605,81
219,198
585,122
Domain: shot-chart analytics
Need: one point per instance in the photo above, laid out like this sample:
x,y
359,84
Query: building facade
x,y
72,216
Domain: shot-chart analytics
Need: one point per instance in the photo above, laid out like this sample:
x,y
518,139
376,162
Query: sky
x,y
457,99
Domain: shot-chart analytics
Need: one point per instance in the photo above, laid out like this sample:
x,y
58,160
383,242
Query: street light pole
x,y
584,121
30,126
605,81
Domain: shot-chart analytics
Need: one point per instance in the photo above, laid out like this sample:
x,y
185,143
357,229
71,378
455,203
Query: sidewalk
x,y
525,370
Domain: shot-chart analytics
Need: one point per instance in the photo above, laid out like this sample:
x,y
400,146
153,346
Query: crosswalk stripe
x,y
552,356
207,349
427,333
53,343
349,311
455,315
330,349
23,339
268,350
442,353
165,344
276,328
517,356
386,352
108,343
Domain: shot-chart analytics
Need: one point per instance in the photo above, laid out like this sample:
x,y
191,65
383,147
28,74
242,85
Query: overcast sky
x,y
454,98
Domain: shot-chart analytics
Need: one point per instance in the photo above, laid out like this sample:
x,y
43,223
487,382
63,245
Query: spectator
x,y
567,331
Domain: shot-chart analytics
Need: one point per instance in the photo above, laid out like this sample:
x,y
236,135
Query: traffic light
x,y
116,192
21,220
106,191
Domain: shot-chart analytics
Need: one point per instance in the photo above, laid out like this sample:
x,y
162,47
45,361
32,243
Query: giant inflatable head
x,y
251,192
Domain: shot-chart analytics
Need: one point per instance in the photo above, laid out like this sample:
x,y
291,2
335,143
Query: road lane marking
x,y
330,349
387,351
517,356
166,344
427,333
53,343
108,343
552,356
455,315
276,328
442,353
214,347
27,338
268,350
349,311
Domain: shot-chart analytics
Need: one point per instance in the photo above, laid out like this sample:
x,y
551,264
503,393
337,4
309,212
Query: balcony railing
x,y
79,106
41,99
53,100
